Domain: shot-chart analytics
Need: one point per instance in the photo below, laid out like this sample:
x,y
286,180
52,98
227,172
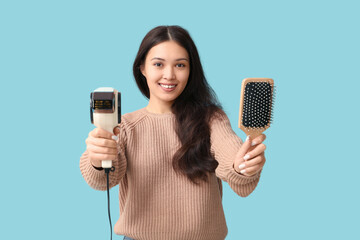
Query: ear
x,y
142,69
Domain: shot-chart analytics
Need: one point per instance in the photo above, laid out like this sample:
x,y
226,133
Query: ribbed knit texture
x,y
157,203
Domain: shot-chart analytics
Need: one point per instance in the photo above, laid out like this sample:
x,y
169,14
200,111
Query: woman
x,y
169,157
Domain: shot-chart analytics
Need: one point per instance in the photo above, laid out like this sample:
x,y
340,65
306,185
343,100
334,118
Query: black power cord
x,y
107,171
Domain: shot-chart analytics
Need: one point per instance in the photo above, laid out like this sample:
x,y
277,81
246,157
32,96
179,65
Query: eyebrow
x,y
179,59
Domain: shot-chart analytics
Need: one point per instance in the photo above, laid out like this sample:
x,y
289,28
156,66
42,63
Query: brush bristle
x,y
258,104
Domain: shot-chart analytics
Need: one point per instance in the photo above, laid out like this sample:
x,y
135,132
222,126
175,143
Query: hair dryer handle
x,y
106,164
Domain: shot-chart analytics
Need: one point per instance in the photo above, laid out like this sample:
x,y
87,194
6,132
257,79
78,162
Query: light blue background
x,y
54,53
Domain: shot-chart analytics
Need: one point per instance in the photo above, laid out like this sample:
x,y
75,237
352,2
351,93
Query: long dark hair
x,y
193,109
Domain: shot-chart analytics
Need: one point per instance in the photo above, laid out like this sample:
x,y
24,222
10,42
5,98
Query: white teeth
x,y
167,86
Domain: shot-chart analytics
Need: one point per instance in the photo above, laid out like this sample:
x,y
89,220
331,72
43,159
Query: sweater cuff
x,y
92,176
98,168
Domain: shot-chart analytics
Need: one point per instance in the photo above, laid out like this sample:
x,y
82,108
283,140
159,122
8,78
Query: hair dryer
x,y
105,111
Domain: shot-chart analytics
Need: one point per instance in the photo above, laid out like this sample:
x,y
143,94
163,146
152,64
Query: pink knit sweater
x,y
155,202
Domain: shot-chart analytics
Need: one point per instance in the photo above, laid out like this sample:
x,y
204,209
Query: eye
x,y
180,65
157,64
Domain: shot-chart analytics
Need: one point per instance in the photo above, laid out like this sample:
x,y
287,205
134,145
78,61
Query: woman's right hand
x,y
101,145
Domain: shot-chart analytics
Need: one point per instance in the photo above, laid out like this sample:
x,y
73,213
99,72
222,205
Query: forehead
x,y
168,50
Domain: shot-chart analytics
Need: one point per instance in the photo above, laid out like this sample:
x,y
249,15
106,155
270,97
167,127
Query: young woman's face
x,y
166,69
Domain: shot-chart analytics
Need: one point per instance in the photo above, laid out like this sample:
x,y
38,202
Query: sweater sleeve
x,y
224,146
97,178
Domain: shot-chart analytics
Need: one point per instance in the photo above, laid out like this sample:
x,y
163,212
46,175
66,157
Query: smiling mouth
x,y
168,86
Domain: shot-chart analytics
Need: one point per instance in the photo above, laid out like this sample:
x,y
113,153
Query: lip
x,y
167,89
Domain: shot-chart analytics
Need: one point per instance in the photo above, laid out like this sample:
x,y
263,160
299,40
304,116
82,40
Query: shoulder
x,y
219,117
220,123
129,120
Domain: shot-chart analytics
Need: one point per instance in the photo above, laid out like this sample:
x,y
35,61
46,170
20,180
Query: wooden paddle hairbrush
x,y
256,105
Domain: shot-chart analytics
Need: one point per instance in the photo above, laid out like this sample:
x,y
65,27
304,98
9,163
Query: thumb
x,y
116,130
244,148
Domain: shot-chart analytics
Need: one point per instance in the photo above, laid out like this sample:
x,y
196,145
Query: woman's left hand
x,y
250,159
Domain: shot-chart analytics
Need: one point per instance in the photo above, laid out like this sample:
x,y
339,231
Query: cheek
x,y
153,77
183,84
183,77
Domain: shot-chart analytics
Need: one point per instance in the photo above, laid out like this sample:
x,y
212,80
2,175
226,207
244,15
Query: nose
x,y
169,73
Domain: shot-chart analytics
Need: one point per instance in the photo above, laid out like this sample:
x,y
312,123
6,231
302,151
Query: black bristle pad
x,y
257,104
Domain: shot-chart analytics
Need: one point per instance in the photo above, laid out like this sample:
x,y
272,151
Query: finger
x,y
116,130
101,157
244,148
252,162
245,164
103,150
259,149
259,139
252,170
101,142
101,133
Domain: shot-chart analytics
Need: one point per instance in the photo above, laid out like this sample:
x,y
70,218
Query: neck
x,y
159,108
